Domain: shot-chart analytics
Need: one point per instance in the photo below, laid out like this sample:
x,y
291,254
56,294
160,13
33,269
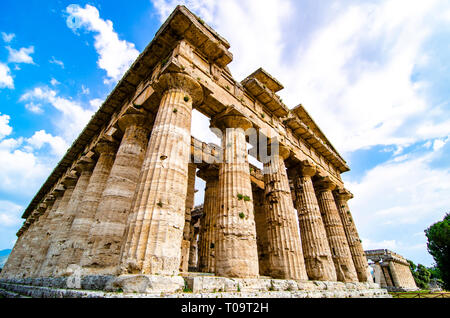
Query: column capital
x,y
84,164
343,194
49,198
307,168
183,82
324,183
143,120
106,145
283,150
69,180
208,173
58,190
231,118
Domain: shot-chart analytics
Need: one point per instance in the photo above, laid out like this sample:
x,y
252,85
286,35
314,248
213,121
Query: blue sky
x,y
373,74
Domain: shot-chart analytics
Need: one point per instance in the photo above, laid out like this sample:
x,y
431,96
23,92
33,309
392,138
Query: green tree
x,y
421,275
438,245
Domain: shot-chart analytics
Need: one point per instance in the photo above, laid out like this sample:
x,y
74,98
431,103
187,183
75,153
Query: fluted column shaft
x,y
106,235
84,219
236,251
188,243
337,240
155,232
285,248
84,168
36,239
261,232
354,242
395,279
41,252
207,244
55,229
316,250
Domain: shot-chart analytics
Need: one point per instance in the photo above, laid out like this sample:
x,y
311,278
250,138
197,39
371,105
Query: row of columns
x,y
328,247
128,211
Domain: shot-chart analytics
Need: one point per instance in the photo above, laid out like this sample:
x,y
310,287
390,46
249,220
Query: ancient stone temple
x,y
117,213
391,270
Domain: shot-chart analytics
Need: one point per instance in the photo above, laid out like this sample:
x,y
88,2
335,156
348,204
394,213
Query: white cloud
x,y
6,79
57,62
5,128
10,214
95,103
378,245
40,138
85,90
8,37
21,56
439,143
21,172
34,107
74,115
115,55
54,82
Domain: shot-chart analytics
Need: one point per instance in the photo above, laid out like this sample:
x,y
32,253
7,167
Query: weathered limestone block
x,y
261,232
156,230
187,242
316,250
81,226
207,244
354,242
340,250
107,232
236,251
285,248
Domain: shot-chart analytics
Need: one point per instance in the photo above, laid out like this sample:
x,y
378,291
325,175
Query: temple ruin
x,y
391,270
117,213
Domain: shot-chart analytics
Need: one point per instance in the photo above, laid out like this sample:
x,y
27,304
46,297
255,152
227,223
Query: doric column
x,y
84,167
395,277
194,239
354,242
207,244
316,250
55,230
155,232
82,223
340,250
42,250
36,237
236,250
380,277
106,235
187,242
262,240
285,248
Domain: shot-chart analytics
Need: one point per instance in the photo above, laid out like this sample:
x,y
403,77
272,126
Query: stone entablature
x,y
120,203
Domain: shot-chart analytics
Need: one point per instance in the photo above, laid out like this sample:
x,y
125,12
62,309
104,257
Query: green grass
x,y
420,294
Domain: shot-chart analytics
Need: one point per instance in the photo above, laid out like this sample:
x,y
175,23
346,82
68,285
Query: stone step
x,y
27,291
